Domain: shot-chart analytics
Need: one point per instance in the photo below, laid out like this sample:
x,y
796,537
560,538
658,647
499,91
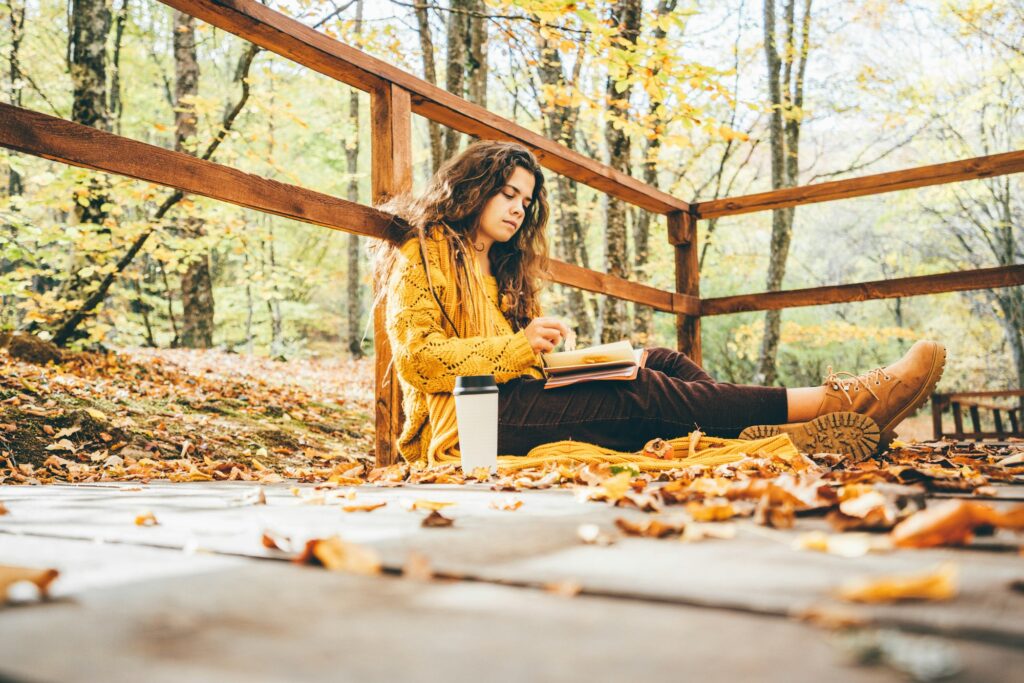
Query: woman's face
x,y
503,213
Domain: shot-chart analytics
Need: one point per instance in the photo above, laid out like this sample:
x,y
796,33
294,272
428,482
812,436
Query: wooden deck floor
x,y
198,597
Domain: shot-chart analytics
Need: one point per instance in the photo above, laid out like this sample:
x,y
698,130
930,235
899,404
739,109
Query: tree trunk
x,y
15,185
90,26
69,327
116,105
560,126
643,316
785,93
455,59
197,301
355,298
614,319
430,74
476,53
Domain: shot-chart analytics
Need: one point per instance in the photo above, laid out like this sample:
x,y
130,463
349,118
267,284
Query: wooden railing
x,y
395,96
975,402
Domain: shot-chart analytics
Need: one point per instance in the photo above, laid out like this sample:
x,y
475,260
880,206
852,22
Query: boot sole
x,y
851,434
934,375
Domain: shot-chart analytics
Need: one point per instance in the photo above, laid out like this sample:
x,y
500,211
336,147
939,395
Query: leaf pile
x,y
183,415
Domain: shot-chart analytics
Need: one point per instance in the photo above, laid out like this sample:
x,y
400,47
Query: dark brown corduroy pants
x,y
670,397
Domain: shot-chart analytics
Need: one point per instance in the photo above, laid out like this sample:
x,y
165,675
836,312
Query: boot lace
x,y
844,381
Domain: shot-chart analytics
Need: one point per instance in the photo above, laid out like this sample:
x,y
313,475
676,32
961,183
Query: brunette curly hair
x,y
452,203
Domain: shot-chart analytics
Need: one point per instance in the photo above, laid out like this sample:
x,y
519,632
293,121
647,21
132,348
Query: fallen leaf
x,y
436,519
275,542
844,545
710,512
146,519
952,522
699,532
365,507
67,431
657,448
833,617
4,510
937,584
649,528
42,578
340,556
481,473
565,589
48,430
96,414
62,445
421,504
508,504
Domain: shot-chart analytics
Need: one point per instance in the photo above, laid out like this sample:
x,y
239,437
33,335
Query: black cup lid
x,y
475,384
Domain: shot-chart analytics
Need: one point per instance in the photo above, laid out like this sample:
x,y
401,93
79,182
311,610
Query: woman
x,y
461,272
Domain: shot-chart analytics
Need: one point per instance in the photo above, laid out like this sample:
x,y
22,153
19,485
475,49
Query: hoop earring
x,y
478,248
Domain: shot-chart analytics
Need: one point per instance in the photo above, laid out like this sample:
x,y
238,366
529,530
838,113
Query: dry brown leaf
x,y
340,556
365,507
657,448
951,522
421,504
699,532
844,545
711,511
507,504
481,473
275,541
833,617
565,589
146,519
42,578
649,528
774,515
436,519
940,583
3,509
417,567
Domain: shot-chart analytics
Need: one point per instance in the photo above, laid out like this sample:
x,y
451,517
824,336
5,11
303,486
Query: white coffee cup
x,y
476,411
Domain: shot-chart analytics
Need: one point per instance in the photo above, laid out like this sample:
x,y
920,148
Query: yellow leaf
x,y
938,584
96,414
421,504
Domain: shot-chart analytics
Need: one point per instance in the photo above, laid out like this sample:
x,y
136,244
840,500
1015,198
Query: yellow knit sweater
x,y
428,356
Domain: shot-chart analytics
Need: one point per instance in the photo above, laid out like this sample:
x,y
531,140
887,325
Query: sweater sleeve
x,y
424,354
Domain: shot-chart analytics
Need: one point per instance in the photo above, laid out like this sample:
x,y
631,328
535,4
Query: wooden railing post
x,y
391,148
682,230
938,405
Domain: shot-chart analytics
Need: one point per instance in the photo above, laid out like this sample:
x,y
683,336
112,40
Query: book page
x,y
616,352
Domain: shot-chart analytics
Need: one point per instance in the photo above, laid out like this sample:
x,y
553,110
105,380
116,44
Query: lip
x,y
515,226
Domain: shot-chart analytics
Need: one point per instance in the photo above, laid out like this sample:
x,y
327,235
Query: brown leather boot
x,y
887,395
851,434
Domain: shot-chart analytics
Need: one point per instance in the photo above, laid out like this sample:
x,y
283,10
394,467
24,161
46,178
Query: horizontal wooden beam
x,y
602,283
985,278
72,143
289,38
938,174
980,394
54,138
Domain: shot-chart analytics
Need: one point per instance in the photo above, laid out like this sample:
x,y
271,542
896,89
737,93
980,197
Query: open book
x,y
618,360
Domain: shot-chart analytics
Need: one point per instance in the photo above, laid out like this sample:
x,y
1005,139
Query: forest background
x,y
702,98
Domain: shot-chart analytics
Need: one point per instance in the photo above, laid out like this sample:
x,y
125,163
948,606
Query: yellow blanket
x,y
694,449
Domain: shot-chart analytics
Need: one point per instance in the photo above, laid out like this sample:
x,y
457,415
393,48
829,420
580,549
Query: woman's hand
x,y
545,333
